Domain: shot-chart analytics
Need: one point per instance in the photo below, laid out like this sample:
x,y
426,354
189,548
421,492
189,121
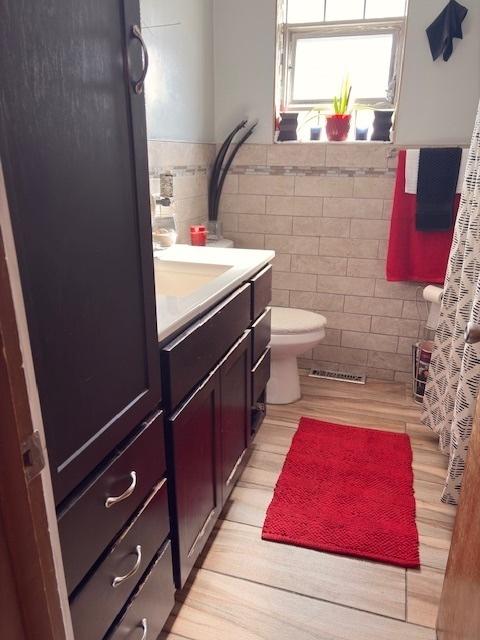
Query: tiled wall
x,y
189,164
325,209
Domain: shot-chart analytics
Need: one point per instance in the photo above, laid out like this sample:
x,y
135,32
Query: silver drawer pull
x,y
109,502
144,626
116,582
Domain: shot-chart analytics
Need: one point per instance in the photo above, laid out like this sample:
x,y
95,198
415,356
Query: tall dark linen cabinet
x,y
74,158
73,150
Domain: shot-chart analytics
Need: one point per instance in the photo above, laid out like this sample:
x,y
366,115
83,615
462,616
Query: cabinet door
x,y
193,462
73,150
235,406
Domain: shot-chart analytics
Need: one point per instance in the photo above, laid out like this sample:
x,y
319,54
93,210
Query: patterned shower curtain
x,y
454,378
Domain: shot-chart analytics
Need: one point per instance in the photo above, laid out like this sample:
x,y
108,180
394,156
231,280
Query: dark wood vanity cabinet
x,y
208,437
74,156
209,431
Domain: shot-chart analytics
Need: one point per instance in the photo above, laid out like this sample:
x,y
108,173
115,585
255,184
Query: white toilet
x,y
294,332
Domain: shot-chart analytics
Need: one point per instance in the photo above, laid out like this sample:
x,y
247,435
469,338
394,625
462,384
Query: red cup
x,y
198,235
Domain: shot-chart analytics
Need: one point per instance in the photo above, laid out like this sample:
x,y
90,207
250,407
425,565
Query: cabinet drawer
x,y
188,358
261,333
88,525
148,610
99,601
260,375
261,291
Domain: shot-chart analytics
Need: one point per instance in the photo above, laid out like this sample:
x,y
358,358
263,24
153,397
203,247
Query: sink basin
x,y
180,279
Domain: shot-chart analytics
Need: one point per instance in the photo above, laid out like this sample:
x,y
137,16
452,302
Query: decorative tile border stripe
x,y
193,170
347,172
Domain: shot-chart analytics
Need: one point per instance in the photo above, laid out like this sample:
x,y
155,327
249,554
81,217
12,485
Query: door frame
x,y
26,501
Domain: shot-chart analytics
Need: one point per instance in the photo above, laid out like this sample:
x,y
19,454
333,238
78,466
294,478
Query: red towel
x,y
417,256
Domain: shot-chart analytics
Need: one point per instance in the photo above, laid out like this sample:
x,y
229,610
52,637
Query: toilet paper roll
x,y
433,294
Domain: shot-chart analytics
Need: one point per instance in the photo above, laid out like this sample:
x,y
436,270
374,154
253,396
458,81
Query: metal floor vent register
x,y
341,376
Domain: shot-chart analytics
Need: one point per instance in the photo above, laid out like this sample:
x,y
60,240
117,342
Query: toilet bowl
x,y
294,332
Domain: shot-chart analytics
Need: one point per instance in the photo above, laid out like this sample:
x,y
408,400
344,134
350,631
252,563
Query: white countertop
x,y
174,310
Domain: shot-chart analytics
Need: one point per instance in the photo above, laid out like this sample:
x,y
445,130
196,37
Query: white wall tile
x,y
368,208
346,285
292,244
246,240
370,341
399,290
348,247
316,301
242,203
266,185
294,281
396,362
333,186
229,222
373,306
325,227
265,224
340,355
366,268
280,298
396,327
355,155
415,310
296,155
251,154
230,185
348,321
319,264
373,229
373,187
282,262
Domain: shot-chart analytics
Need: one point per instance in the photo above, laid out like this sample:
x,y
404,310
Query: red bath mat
x,y
347,490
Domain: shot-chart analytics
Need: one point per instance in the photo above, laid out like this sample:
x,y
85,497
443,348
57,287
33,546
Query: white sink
x,y
180,279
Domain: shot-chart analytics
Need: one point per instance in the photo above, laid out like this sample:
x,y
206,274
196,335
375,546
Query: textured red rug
x,y
347,490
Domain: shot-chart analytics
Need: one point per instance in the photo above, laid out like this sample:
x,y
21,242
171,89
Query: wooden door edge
x,y
26,505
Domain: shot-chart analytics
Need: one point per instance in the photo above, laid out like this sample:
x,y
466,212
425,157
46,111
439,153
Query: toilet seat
x,y
286,321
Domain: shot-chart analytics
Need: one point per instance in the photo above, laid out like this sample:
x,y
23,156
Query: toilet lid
x,y
285,320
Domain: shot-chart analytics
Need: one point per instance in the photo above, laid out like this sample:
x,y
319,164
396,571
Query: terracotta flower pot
x,y
337,127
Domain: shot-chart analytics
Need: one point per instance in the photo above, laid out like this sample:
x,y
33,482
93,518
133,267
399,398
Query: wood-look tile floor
x,y
246,589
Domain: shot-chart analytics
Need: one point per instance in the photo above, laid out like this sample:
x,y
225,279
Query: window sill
x,y
344,143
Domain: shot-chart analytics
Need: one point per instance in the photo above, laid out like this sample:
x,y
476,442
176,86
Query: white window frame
x,y
294,32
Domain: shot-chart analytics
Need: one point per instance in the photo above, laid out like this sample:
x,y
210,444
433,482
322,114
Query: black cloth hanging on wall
x,y
444,28
437,182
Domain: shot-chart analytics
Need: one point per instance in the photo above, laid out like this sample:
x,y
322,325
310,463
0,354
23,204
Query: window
x,y
325,40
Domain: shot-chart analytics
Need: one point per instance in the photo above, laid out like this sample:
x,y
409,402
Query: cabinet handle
x,y
138,84
109,502
144,626
116,582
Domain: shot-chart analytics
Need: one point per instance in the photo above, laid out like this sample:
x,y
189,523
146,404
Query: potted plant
x,y
338,123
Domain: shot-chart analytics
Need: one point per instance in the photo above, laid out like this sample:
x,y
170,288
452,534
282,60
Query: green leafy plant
x,y
341,102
